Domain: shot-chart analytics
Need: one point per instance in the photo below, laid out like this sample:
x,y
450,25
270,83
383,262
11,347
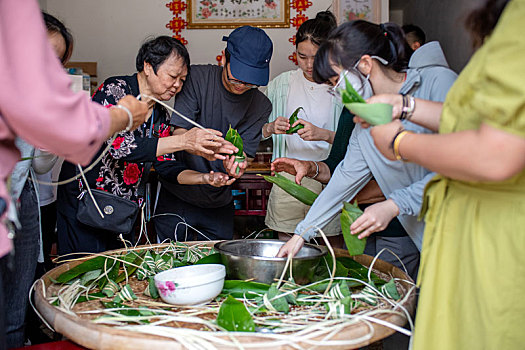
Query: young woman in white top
x,y
320,116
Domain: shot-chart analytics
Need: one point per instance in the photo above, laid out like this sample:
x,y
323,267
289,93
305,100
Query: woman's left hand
x,y
383,136
310,132
217,179
375,218
231,167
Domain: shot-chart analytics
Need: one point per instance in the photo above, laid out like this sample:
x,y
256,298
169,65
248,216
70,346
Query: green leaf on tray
x,y
373,113
234,317
272,300
113,266
293,118
151,289
349,214
299,192
210,259
91,296
244,289
356,270
134,258
90,276
88,265
390,290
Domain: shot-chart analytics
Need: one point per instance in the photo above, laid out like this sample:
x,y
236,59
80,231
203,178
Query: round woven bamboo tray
x,y
96,336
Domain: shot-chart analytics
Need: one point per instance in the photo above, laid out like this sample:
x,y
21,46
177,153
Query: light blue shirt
x,y
402,182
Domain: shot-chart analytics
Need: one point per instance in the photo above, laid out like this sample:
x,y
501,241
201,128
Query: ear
x,y
223,59
148,69
365,64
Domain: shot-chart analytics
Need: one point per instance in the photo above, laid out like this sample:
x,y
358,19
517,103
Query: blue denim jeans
x,y
17,277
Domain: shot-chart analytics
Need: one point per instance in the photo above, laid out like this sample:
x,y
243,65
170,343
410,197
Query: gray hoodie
x,y
428,77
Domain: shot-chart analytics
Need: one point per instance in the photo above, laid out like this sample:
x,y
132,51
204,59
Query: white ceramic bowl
x,y
190,285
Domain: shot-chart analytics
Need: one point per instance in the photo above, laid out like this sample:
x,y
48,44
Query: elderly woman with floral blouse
x,y
162,65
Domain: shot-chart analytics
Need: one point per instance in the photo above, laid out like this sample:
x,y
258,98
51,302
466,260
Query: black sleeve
x,y
341,139
169,169
251,132
187,100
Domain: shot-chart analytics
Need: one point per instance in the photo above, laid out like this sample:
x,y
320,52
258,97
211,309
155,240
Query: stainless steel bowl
x,y
255,259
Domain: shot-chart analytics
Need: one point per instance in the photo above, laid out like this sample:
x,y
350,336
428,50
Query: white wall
x,y
111,32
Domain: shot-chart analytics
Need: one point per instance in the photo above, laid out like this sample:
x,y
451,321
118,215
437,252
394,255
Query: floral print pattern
x,y
166,288
123,166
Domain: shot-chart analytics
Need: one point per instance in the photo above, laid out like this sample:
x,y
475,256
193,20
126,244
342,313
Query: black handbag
x,y
119,213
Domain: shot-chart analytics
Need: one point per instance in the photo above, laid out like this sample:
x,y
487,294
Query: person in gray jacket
x,y
377,54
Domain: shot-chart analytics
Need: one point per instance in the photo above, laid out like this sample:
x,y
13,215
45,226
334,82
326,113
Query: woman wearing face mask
x,y
162,64
377,57
319,116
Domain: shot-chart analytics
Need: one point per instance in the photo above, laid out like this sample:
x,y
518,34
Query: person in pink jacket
x,y
37,105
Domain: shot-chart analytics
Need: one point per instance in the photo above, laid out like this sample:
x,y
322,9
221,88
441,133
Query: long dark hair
x,y
482,21
155,51
317,29
351,40
53,25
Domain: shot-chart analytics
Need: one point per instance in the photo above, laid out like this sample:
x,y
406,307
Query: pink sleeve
x,y
35,99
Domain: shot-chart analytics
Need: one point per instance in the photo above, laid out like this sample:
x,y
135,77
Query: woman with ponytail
x,y
319,116
376,59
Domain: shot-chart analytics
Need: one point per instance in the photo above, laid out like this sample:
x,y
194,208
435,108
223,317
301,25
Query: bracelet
x,y
130,116
397,141
316,170
409,104
403,108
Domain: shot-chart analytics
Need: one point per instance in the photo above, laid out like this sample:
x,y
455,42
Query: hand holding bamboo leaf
x,y
375,218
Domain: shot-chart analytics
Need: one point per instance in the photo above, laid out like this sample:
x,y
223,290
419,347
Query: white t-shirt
x,y
318,110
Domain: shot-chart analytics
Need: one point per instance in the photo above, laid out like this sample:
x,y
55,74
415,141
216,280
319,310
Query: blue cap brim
x,y
249,74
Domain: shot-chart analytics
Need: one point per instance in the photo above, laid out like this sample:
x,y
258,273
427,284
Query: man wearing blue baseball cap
x,y
216,97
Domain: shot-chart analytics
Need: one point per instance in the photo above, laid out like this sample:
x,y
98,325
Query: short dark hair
x,y
317,29
414,33
155,51
351,40
53,25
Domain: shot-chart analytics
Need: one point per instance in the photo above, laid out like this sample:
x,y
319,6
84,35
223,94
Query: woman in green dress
x,y
473,261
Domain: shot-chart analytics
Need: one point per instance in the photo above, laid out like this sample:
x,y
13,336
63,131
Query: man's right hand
x,y
292,166
291,247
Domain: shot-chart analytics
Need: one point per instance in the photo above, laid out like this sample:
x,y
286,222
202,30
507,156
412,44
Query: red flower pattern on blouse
x,y
117,142
131,174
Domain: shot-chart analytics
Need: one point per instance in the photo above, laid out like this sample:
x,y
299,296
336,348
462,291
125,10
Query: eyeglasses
x,y
239,82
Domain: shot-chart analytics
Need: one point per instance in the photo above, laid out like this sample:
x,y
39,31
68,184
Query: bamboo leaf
x,y
293,118
244,289
373,113
88,265
350,94
299,192
233,136
390,290
131,257
90,276
210,259
91,296
349,214
272,300
234,317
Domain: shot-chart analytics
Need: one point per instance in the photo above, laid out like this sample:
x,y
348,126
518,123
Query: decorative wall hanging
x,y
299,6
349,10
177,23
206,14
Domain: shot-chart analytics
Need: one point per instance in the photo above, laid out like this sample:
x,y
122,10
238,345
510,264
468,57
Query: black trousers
x,y
176,219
